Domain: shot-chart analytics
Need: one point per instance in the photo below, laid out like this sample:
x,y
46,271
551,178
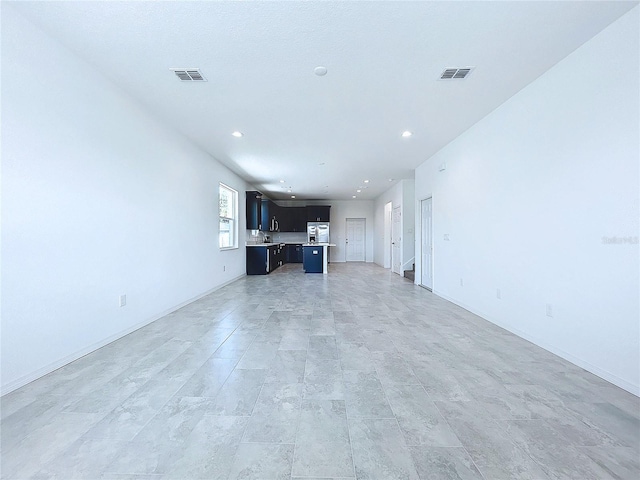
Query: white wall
x,y
528,195
340,211
98,200
401,193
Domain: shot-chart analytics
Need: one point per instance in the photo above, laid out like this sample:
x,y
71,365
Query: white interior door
x,y
396,241
387,234
355,241
426,271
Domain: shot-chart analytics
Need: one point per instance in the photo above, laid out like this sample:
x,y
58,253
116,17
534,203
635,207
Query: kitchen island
x,y
316,257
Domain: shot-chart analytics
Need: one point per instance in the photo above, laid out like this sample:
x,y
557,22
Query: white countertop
x,y
304,244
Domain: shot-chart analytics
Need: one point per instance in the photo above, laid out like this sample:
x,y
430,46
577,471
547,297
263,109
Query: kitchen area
x,y
281,235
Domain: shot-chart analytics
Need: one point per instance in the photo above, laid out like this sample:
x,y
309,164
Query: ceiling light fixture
x,y
237,134
407,133
353,196
320,71
358,191
391,179
366,181
281,181
293,196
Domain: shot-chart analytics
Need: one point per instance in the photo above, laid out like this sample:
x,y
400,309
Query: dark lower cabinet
x,y
313,259
263,260
257,260
294,253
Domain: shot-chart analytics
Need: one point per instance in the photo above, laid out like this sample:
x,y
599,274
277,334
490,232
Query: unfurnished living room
x,y
320,240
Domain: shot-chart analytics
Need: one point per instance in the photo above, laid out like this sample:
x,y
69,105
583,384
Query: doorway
x,y
396,241
426,250
387,234
355,240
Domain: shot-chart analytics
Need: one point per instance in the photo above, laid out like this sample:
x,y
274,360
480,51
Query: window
x,y
228,234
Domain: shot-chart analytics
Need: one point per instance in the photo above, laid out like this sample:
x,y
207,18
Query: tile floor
x,y
358,374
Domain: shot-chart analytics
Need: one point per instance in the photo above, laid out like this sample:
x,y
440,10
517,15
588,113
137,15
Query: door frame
x,y
388,213
364,241
396,241
420,204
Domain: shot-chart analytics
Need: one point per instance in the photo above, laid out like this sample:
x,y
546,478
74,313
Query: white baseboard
x,y
605,375
41,372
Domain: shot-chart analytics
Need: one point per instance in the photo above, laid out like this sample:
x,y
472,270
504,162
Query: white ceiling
x,y
323,135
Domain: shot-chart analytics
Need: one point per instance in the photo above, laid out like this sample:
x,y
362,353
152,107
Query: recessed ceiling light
x,y
237,134
391,179
358,191
293,196
366,181
407,133
353,196
281,181
289,191
320,71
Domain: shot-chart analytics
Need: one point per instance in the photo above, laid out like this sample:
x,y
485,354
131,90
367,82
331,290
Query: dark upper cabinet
x,y
270,216
254,213
298,219
266,215
293,219
318,213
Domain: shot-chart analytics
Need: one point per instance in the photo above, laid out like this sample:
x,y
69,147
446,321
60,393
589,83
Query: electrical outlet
x,y
498,294
461,283
446,237
549,310
224,268
123,300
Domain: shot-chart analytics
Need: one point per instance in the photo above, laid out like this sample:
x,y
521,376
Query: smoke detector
x,y
456,73
189,74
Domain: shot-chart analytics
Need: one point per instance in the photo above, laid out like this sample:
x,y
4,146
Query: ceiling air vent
x,y
189,74
456,73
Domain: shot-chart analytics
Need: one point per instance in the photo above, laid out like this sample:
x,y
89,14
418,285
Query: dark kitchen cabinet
x,y
270,216
294,253
257,260
254,210
262,260
298,217
293,219
318,213
276,256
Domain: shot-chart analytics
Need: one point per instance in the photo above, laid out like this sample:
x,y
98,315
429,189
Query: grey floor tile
x,y
444,463
324,460
210,449
364,396
301,376
550,449
495,454
379,450
209,378
323,346
276,414
323,421
287,367
420,421
262,461
239,394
